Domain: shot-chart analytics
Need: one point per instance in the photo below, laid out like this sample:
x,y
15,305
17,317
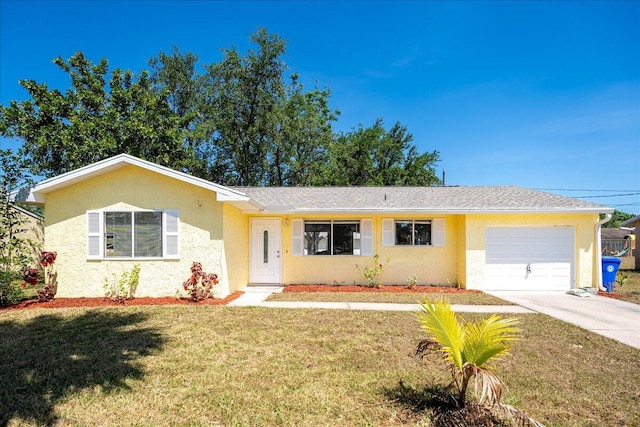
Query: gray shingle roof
x,y
427,199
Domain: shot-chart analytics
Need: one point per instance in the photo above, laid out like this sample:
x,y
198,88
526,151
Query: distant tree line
x,y
242,121
617,218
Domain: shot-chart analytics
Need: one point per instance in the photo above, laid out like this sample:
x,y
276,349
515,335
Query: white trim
x,y
366,237
388,232
438,232
171,234
297,237
95,235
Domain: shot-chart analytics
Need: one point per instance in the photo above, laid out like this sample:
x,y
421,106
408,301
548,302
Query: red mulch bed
x,y
105,302
611,295
390,288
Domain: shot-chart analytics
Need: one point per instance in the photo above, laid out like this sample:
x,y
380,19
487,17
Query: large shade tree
x,y
376,156
99,116
245,120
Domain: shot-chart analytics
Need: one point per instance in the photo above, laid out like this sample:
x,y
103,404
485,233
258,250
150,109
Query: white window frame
x,y
366,236
96,235
437,232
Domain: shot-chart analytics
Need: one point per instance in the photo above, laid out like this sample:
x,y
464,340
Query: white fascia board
x,y
245,206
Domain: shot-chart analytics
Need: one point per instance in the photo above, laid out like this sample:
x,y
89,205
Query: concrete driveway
x,y
608,317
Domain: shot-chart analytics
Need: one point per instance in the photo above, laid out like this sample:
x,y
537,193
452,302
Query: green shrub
x,y
372,274
119,289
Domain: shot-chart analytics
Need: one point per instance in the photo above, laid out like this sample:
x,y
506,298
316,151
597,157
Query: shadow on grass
x,y
437,403
46,359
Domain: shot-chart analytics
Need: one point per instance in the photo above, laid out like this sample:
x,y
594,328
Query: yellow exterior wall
x,y
432,265
236,247
461,234
584,227
200,234
217,235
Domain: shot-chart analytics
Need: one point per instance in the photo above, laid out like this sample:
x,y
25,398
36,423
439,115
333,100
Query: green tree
x,y
240,110
176,73
468,347
300,148
374,156
15,249
241,122
94,119
617,218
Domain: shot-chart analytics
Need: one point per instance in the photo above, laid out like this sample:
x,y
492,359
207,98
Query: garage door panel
x,y
547,252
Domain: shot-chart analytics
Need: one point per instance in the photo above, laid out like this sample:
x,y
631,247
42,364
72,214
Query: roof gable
x,y
37,193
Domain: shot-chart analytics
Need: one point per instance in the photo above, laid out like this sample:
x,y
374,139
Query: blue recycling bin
x,y
610,266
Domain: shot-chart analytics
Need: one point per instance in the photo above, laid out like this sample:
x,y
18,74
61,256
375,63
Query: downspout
x,y
607,218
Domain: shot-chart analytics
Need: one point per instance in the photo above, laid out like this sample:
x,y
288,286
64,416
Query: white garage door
x,y
529,258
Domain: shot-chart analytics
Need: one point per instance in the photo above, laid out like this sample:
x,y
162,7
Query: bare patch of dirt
x,y
389,288
106,302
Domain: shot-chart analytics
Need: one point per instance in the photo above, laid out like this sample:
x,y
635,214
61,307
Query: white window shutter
x,y
171,241
297,237
366,230
95,235
437,231
388,232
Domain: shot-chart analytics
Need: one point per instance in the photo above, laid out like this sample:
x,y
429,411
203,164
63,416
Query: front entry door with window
x,y
266,248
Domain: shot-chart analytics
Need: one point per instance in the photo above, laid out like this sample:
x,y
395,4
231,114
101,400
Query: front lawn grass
x,y
211,365
390,297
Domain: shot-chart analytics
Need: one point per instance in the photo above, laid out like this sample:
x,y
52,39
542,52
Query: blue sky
x,y
538,94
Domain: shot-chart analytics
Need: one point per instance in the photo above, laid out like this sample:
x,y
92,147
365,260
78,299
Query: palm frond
x,y
438,320
425,346
487,384
488,339
517,416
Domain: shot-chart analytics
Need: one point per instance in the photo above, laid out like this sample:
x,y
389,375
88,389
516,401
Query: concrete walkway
x,y
619,320
255,296
608,317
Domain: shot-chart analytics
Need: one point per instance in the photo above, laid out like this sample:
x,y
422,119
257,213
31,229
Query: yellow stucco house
x,y
105,217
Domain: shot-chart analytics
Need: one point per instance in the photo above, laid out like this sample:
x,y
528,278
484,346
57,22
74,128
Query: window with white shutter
x,y
413,232
133,234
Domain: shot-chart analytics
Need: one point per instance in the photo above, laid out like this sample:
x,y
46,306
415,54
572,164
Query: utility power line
x,y
584,189
608,195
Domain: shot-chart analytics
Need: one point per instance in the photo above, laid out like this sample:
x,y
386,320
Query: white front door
x,y
266,248
529,258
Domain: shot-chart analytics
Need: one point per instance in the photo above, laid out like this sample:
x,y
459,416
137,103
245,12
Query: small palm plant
x,y
468,348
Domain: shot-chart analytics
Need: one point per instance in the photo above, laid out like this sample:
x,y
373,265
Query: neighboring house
x,y
103,218
32,231
619,242
634,223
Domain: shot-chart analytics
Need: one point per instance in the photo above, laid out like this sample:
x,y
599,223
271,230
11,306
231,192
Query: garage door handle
x,y
529,268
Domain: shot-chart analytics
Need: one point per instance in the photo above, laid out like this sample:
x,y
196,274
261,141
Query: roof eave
x,y
630,222
442,211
